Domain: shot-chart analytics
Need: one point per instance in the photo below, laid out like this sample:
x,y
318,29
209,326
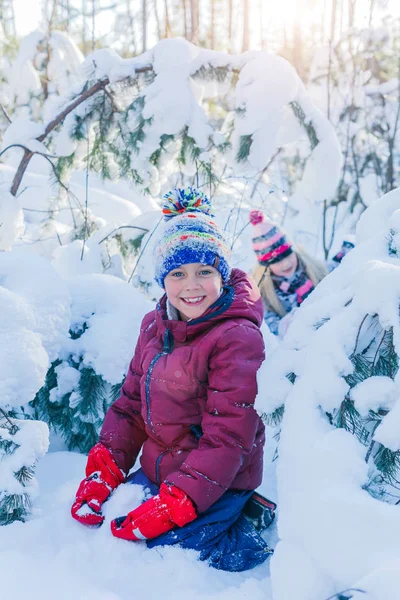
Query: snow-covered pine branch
x,y
180,108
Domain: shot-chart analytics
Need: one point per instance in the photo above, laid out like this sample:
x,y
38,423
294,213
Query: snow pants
x,y
222,535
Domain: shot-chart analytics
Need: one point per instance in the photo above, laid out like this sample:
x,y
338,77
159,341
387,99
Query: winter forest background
x,y
292,108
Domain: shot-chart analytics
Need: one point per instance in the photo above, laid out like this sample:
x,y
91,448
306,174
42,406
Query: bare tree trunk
x,y
83,9
246,8
230,13
297,49
323,21
352,10
64,17
212,27
331,39
68,16
285,49
194,18
371,11
44,79
341,15
167,24
144,25
7,18
333,20
263,44
185,27
93,25
131,21
157,16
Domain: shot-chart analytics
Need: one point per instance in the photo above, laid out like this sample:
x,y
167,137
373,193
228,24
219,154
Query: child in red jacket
x,y
188,403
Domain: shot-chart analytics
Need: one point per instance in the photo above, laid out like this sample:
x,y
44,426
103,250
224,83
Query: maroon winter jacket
x,y
188,398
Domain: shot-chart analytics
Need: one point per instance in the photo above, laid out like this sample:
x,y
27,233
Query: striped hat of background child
x,y
190,235
269,242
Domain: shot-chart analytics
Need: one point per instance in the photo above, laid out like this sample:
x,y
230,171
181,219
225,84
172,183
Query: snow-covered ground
x,y
52,556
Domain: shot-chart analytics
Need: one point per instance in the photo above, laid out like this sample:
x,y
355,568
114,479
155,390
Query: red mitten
x,y
100,459
102,477
158,515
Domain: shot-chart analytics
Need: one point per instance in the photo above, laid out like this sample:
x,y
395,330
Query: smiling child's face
x,y
192,288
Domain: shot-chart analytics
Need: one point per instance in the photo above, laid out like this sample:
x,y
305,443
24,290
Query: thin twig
x,y
238,215
5,113
333,228
13,426
358,335
123,227
69,193
372,444
345,592
85,231
143,249
377,352
324,228
271,160
27,150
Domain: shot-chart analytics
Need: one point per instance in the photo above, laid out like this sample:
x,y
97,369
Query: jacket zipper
x,y
158,461
167,349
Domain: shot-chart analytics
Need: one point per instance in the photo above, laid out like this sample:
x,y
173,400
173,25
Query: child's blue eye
x,y
177,274
205,272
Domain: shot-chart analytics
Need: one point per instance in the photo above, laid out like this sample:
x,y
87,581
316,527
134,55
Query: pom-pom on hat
x,y
269,242
190,235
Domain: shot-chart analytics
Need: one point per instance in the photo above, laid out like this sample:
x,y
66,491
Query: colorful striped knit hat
x,y
269,243
190,235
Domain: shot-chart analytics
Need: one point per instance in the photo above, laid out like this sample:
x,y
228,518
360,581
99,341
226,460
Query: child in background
x,y
188,403
285,275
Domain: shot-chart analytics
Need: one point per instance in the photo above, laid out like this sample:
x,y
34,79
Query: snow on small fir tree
x,y
35,307
22,444
337,373
88,373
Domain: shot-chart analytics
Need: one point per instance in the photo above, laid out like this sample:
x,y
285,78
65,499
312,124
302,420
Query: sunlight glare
x,y
27,15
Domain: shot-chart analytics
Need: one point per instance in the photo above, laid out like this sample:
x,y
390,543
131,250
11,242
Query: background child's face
x,y
285,267
192,288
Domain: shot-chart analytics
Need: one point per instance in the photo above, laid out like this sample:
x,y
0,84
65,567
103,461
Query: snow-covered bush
x,y
339,451
35,316
87,374
22,444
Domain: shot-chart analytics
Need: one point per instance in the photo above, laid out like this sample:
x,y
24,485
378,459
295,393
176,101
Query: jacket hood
x,y
240,300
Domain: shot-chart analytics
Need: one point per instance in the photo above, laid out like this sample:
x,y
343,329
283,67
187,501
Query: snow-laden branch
x,y
28,154
170,107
